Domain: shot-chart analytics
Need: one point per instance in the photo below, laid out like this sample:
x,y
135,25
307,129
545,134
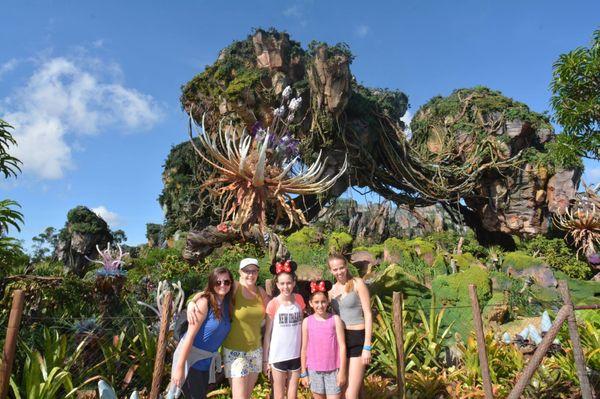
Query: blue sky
x,y
93,87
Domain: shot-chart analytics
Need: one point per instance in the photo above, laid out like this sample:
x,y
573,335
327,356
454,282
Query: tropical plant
x,y
428,383
385,352
582,221
575,96
9,165
432,337
47,374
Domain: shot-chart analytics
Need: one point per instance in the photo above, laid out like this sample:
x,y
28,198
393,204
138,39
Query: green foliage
x,y
576,96
47,374
44,244
558,256
9,216
9,165
394,278
375,250
13,260
154,233
562,153
402,250
340,243
82,220
340,49
305,236
187,206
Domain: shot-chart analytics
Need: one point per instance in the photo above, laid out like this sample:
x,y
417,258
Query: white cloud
x,y
293,11
65,97
109,217
362,30
8,66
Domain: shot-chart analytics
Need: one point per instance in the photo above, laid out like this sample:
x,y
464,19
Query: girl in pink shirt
x,y
323,355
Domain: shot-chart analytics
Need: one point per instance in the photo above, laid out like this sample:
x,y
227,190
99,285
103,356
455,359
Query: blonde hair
x,y
349,286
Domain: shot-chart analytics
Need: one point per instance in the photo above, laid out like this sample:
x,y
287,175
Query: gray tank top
x,y
349,308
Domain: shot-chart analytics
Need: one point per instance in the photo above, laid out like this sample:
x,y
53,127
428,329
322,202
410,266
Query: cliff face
x,y
475,145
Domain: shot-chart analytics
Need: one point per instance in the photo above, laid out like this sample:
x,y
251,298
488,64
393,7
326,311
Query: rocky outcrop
x,y
329,78
541,275
561,189
77,241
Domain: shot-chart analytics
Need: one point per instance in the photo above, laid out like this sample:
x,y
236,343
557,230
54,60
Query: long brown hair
x,y
209,291
349,286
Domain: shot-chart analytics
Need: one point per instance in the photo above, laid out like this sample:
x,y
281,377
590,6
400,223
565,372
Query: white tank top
x,y
286,336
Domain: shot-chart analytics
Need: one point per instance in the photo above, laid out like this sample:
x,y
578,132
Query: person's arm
x,y
303,369
365,302
178,376
263,294
192,310
267,343
339,333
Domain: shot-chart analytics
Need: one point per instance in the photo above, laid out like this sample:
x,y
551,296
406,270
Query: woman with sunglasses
x,y
242,349
198,349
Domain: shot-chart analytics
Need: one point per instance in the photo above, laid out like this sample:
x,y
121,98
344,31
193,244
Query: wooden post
x,y
483,359
399,332
161,346
10,344
539,354
586,390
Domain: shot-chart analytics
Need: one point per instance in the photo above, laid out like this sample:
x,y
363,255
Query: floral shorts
x,y
240,364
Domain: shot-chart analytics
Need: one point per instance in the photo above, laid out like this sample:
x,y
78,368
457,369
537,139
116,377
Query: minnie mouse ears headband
x,y
283,266
320,286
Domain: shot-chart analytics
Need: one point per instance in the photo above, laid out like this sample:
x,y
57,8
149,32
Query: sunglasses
x,y
225,283
250,271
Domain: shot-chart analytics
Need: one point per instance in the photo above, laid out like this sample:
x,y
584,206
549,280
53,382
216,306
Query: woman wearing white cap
x,y
242,349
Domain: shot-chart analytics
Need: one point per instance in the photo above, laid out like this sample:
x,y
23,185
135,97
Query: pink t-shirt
x,y
286,337
322,350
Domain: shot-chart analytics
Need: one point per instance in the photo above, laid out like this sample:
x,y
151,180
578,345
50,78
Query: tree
x,y
9,166
576,97
44,244
119,236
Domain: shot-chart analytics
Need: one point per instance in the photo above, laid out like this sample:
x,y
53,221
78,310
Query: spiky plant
x,y
582,221
260,170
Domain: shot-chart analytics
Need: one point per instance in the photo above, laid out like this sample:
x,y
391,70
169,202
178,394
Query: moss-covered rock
x,y
375,250
519,260
305,236
339,242
393,278
454,288
395,250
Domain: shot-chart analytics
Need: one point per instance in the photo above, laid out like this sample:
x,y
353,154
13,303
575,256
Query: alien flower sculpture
x,y
582,221
261,170
111,264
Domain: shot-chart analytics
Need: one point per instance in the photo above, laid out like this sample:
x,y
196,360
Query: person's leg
x,y
319,396
356,373
250,383
195,385
238,387
293,377
279,381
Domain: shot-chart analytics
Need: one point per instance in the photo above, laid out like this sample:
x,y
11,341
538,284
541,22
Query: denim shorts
x,y
324,382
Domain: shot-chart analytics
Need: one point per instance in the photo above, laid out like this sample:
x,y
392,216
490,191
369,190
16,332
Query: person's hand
x,y
266,368
178,377
340,379
304,381
192,313
366,357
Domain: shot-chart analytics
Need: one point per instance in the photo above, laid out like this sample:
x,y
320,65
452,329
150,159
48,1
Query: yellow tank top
x,y
247,317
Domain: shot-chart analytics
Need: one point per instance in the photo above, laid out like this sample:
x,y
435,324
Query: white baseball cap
x,y
247,262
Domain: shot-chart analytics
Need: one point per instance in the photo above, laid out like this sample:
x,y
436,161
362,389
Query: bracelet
x,y
367,348
303,375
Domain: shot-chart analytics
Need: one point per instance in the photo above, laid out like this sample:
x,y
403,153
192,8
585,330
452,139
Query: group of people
x,y
327,351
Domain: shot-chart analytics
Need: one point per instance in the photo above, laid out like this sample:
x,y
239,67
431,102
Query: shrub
x,y
558,256
339,243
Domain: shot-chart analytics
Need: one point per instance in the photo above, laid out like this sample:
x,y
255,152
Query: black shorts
x,y
287,365
355,340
